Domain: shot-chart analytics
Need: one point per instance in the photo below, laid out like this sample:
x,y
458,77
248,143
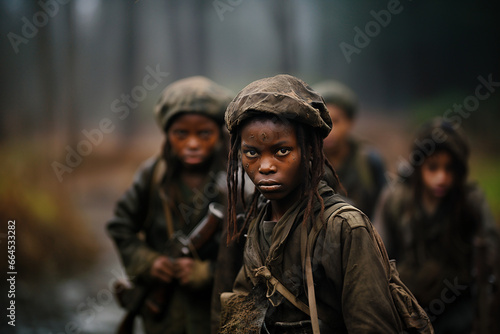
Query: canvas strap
x,y
307,243
274,285
168,215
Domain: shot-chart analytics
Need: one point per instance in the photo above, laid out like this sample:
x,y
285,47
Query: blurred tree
x,y
284,23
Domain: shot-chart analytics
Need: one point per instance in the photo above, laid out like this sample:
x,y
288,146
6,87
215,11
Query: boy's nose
x,y
442,176
267,166
192,142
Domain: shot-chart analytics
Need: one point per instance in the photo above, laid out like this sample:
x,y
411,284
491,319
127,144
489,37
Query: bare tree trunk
x,y
175,40
200,37
69,77
283,13
47,82
128,58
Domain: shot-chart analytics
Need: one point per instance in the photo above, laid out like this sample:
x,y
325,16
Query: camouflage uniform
x,y
350,284
139,226
362,171
436,253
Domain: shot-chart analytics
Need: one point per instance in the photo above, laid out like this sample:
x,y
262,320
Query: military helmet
x,y
334,92
196,94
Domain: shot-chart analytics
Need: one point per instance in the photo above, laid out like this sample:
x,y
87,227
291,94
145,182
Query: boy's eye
x,y
283,151
180,133
205,133
432,166
250,153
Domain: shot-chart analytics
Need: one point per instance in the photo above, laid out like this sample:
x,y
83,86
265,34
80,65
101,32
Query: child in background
x,y
169,197
277,126
439,228
360,168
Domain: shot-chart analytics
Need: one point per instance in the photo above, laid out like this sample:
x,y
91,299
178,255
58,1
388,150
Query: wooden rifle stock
x,y
206,228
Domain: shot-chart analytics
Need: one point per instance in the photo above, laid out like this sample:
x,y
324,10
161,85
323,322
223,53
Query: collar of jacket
x,y
254,258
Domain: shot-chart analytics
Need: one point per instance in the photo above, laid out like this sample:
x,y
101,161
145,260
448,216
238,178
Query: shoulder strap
x,y
159,169
274,285
307,243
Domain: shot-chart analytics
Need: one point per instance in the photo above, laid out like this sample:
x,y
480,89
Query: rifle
x,y
157,295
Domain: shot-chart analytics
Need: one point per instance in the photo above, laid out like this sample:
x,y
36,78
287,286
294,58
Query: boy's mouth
x,y
268,185
193,159
440,191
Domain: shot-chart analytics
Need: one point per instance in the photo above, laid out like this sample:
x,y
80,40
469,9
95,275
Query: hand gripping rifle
x,y
157,295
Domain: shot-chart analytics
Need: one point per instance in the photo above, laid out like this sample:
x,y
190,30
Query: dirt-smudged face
x,y
271,157
193,139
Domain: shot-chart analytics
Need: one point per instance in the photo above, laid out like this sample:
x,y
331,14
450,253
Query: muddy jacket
x,y
351,288
139,230
438,273
362,175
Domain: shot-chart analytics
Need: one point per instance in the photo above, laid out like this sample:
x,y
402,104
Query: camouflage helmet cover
x,y
196,94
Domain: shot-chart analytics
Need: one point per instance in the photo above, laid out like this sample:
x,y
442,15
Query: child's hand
x,y
183,269
163,269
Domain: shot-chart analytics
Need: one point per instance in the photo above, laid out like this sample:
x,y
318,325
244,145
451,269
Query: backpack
x,y
413,317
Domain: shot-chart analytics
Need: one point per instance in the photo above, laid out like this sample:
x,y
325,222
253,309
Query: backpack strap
x,y
307,240
274,285
306,245
157,174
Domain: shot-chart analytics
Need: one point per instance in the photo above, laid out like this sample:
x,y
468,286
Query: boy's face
x,y
271,157
437,175
193,139
340,129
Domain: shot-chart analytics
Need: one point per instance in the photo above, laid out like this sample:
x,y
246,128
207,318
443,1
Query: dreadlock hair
x,y
311,148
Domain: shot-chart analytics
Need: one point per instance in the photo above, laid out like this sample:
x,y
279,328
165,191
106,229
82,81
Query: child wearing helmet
x,y
359,166
169,198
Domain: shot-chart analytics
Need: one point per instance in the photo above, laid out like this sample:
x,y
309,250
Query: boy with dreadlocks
x,y
277,126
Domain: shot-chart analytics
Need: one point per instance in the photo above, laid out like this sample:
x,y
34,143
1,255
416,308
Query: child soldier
x,y
277,126
158,225
360,168
438,227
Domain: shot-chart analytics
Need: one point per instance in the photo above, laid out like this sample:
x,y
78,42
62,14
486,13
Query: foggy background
x,y
73,71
